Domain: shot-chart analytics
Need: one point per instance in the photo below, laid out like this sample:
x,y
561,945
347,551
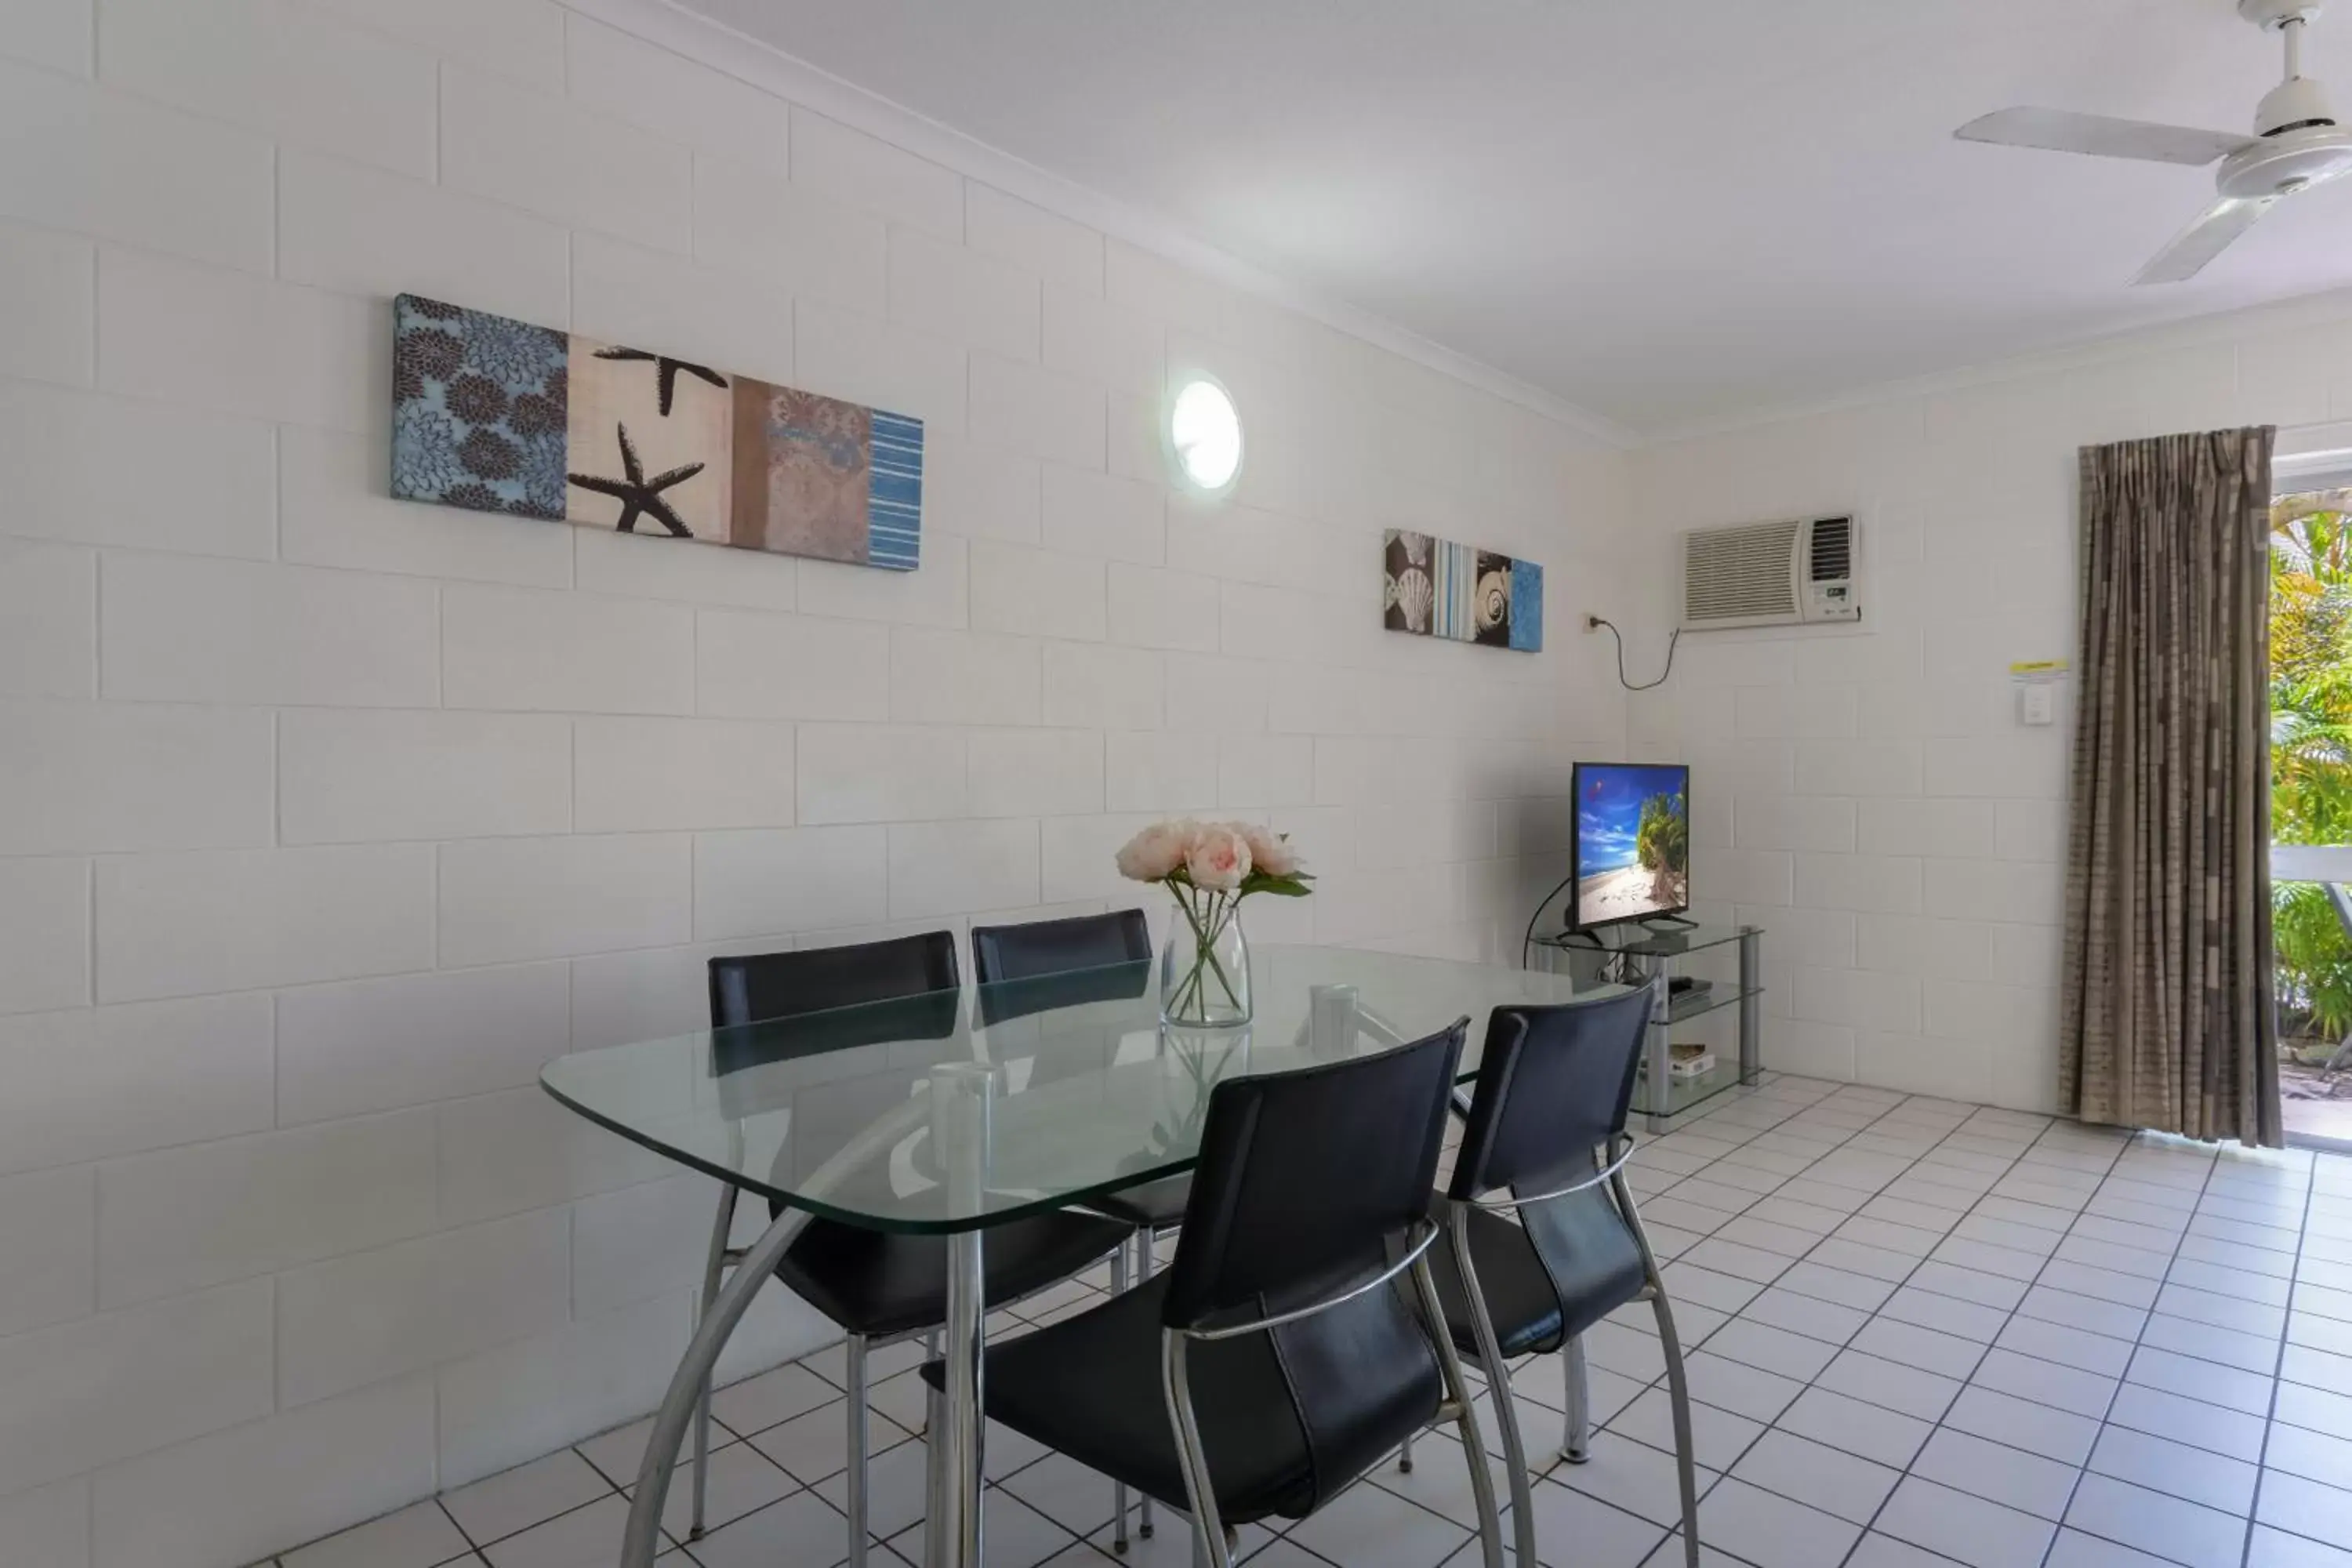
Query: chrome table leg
x,y
1144,1263
860,1443
962,1094
714,1264
1118,1489
642,1538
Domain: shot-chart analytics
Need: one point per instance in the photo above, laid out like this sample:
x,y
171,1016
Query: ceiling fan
x,y
2297,144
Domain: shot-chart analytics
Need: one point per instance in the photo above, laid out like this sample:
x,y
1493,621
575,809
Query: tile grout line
x,y
2122,1147
2205,1191
1766,1427
2278,1369
1936,1424
2215,1182
2123,1377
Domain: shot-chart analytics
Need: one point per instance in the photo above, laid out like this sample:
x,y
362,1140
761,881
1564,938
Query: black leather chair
x,y
1108,943
878,1288
1116,949
1554,1088
1275,1360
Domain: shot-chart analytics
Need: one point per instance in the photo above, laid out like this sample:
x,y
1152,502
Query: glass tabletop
x,y
833,1113
1661,941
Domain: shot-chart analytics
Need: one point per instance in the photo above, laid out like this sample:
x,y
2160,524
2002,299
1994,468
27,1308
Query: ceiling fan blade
x,y
2060,130
2203,240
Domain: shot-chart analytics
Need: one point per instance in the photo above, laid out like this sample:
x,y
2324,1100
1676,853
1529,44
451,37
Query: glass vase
x,y
1205,971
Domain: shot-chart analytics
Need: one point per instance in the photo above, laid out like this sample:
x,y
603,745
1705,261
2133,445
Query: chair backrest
x,y
771,1007
1306,1182
1057,947
752,988
1048,964
1554,1085
1306,1178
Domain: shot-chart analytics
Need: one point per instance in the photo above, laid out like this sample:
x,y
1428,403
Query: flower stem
x,y
1207,918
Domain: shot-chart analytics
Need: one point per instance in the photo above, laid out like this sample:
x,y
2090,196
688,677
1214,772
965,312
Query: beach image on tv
x,y
1633,842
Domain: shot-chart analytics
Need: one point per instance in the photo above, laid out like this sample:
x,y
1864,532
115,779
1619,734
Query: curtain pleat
x,y
2166,1019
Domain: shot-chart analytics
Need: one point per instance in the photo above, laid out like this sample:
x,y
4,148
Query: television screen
x,y
1633,842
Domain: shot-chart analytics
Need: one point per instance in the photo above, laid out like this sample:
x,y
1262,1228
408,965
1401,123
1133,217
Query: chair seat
x,y
1090,1387
881,1285
1158,1205
1595,1257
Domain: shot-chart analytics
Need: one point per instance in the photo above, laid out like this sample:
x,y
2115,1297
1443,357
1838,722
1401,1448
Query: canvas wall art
x,y
1433,587
497,415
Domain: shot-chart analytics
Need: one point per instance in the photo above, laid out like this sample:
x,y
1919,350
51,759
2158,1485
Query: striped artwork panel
x,y
894,507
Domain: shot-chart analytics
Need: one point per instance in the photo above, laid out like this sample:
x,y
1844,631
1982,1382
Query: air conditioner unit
x,y
1771,573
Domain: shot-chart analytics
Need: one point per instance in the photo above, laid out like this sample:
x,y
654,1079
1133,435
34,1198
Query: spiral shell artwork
x,y
1492,606
1435,587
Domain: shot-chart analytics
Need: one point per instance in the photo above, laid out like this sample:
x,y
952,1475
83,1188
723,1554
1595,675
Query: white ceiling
x,y
1664,213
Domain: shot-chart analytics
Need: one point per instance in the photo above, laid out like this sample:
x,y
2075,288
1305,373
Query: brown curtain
x,y
2167,1001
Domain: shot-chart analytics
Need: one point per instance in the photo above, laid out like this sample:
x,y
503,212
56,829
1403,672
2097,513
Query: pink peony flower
x,y
1270,852
1152,853
1219,859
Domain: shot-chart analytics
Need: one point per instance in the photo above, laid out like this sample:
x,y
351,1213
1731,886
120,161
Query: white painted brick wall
x,y
325,819
1894,827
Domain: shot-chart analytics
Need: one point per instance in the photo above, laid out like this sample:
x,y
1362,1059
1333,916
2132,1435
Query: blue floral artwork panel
x,y
480,407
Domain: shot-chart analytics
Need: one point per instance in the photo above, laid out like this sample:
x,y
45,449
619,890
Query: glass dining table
x,y
951,1112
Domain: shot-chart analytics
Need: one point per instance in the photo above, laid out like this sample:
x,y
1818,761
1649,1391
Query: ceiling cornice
x,y
669,26
2324,306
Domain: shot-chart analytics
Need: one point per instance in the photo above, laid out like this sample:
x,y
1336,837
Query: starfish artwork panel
x,y
1433,587
616,389
496,415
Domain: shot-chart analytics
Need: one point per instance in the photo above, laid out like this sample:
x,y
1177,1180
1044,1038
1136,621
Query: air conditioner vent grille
x,y
1739,574
1833,549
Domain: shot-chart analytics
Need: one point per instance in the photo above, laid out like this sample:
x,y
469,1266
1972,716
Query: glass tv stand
x,y
1726,967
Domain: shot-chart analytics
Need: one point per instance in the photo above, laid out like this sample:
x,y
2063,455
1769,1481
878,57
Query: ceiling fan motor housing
x,y
2278,13
2290,162
2300,144
2293,104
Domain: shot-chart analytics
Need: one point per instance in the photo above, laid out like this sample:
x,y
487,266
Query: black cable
x,y
1647,685
1528,943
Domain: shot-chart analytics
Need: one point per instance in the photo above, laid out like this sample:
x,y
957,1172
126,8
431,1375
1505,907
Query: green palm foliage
x,y
2311,743
1662,837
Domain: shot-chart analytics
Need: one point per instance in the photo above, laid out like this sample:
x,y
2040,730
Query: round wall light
x,y
1204,436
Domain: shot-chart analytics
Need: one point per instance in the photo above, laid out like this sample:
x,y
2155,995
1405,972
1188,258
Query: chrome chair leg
x,y
1474,1448
1678,1385
1499,1383
1678,1389
856,1478
1118,1489
1577,1445
1144,1263
714,1264
1210,1549
1404,1455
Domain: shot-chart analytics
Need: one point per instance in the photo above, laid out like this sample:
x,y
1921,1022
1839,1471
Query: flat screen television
x,y
1631,856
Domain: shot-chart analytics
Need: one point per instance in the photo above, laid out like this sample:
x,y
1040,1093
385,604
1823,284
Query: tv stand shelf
x,y
1651,955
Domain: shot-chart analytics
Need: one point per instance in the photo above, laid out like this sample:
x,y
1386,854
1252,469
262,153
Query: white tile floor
x,y
1918,1333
